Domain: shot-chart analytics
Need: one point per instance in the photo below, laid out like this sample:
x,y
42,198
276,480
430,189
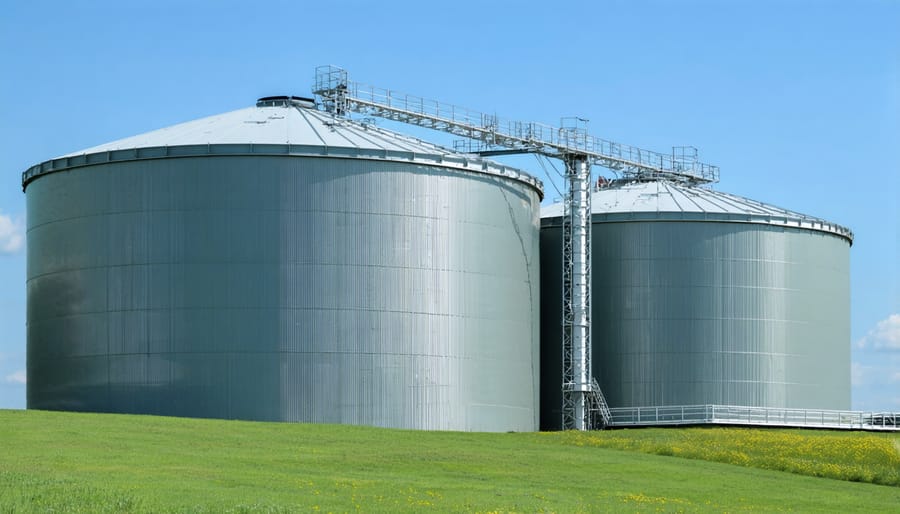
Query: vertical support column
x,y
577,378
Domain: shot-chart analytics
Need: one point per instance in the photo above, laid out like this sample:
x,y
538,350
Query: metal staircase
x,y
600,415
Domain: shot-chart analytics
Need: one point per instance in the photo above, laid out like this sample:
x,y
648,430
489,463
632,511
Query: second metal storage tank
x,y
702,297
276,263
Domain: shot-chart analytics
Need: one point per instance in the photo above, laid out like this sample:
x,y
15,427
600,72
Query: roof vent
x,y
286,101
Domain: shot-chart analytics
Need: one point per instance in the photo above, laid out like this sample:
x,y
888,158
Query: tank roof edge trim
x,y
775,221
460,163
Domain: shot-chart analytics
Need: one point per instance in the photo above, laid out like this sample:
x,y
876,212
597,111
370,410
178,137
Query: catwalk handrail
x,y
742,415
340,94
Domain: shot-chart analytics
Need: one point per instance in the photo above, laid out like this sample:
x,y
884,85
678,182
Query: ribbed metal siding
x,y
691,313
279,288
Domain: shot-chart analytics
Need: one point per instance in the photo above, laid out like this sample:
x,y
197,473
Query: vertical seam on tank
x,y
515,225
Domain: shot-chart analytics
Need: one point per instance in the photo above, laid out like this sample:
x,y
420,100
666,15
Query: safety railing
x,y
737,415
340,94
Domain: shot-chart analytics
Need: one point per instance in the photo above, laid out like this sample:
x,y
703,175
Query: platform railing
x,y
737,415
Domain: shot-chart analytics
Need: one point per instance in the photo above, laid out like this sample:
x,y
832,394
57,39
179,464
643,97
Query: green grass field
x,y
63,462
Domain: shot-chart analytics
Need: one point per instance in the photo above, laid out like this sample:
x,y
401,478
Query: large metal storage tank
x,y
704,298
276,263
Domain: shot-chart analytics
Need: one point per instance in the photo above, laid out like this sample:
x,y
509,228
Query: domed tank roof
x,y
662,200
278,125
273,121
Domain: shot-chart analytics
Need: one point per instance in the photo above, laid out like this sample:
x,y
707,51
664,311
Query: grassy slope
x,y
94,463
855,456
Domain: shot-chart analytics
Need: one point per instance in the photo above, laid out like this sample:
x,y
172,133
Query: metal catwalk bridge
x,y
501,136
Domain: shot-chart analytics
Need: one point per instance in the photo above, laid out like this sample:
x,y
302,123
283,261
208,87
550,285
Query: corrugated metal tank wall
x,y
285,288
693,312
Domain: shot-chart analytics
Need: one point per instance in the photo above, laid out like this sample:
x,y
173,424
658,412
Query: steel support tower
x,y
584,407
576,299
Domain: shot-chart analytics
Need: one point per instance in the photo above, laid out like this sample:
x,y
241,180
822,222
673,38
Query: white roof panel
x,y
280,125
663,200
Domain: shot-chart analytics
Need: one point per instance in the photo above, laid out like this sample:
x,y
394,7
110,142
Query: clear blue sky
x,y
797,101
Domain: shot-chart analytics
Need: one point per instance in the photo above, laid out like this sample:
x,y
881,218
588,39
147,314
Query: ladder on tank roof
x,y
492,135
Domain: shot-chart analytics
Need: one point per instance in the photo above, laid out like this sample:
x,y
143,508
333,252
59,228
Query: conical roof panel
x,y
662,200
278,126
272,125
